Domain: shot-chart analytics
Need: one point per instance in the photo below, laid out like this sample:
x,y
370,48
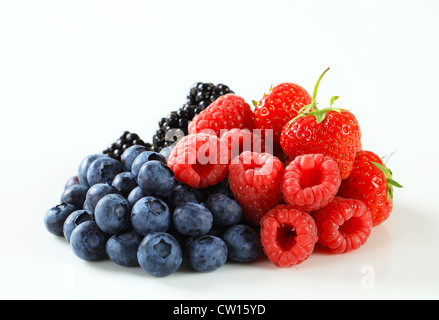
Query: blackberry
x,y
126,140
200,96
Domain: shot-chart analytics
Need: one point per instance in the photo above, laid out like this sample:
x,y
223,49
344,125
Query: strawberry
x,y
279,106
370,181
331,131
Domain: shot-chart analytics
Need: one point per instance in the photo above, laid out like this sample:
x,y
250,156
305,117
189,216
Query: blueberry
x,y
103,170
221,187
87,208
156,179
216,230
159,254
75,195
122,248
73,220
192,219
135,196
243,243
150,214
124,183
96,193
71,182
182,193
138,162
88,241
112,213
207,253
166,152
85,164
143,158
129,155
225,211
55,217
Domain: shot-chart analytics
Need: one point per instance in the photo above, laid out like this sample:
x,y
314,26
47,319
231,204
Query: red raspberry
x,y
288,235
240,140
310,182
343,225
227,112
255,180
199,160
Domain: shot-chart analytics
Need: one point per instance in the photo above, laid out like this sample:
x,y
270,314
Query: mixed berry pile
x,y
226,181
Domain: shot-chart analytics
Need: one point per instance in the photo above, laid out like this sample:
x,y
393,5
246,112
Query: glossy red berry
x,y
279,106
331,131
371,182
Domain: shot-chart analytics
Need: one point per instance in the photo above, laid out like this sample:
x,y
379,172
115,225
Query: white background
x,y
75,74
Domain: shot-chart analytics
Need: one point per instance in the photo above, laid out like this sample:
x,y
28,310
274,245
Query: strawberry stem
x,y
316,87
311,109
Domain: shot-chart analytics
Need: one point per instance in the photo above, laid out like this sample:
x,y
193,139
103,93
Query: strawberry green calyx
x,y
390,182
312,110
321,114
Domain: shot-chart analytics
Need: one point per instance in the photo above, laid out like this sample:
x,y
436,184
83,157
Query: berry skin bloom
x,y
343,225
199,160
310,182
255,180
227,112
371,182
288,235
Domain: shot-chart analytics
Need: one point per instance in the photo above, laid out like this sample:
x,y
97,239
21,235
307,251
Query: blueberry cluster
x,y
175,125
126,140
134,212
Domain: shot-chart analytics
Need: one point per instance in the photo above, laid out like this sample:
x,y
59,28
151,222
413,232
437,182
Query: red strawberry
x,y
370,181
279,106
330,131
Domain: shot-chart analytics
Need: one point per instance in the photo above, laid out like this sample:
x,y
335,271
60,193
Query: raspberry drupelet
x,y
240,140
288,236
343,225
199,160
255,180
310,182
227,112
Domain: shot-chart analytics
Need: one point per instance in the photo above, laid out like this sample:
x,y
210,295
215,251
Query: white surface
x,y
75,74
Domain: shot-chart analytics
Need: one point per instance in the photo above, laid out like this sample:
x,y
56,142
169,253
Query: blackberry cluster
x,y
200,96
126,140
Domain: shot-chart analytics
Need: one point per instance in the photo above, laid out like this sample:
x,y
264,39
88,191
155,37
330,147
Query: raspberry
x,y
343,225
288,235
310,182
240,140
255,180
227,112
199,160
